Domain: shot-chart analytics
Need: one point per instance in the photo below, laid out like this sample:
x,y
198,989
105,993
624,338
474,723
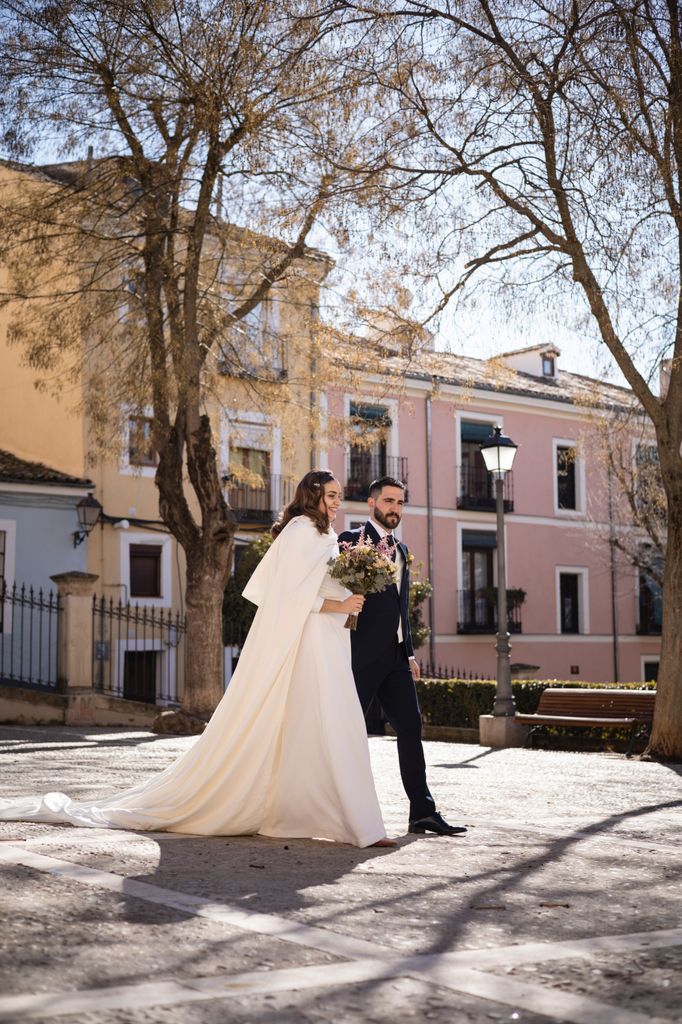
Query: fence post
x,y
74,648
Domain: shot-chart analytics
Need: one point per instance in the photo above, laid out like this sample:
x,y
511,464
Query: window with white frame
x,y
146,568
650,665
548,364
568,477
256,346
140,447
138,457
572,600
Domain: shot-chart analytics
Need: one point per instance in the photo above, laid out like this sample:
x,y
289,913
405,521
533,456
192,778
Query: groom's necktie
x,y
391,541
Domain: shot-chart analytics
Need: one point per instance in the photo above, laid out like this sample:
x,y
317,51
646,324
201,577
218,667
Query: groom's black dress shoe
x,y
435,823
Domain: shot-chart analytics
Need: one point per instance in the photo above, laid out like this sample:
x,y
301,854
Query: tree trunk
x,y
206,578
666,735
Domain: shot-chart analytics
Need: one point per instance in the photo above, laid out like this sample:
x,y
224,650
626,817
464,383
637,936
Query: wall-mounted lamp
x,y
89,512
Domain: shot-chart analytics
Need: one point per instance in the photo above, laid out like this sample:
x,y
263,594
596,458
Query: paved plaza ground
x,y
562,903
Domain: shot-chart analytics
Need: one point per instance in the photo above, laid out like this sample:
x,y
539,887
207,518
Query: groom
x,y
384,665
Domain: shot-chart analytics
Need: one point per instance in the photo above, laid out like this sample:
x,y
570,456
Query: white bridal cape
x,y
285,753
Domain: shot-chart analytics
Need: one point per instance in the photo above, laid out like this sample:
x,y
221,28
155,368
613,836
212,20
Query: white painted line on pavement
x,y
263,924
116,997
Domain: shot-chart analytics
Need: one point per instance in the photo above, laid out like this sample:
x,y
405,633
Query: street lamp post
x,y
498,454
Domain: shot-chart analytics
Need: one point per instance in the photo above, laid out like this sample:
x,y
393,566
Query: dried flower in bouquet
x,y
363,568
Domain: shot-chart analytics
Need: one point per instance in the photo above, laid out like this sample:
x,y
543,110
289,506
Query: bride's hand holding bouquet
x,y
363,568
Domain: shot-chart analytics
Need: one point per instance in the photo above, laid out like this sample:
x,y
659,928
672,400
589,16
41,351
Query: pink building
x,y
580,613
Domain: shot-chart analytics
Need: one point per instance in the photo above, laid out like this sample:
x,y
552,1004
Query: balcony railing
x,y
477,490
364,467
259,505
478,611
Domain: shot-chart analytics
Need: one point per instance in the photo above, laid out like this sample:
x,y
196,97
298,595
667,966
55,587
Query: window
x,y
566,483
648,487
145,570
256,345
548,365
650,604
476,485
650,670
478,594
368,458
251,462
140,448
569,604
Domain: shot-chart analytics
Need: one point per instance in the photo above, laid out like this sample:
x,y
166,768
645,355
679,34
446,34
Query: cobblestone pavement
x,y
562,903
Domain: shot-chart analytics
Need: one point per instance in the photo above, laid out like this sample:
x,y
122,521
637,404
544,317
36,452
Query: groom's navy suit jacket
x,y
378,621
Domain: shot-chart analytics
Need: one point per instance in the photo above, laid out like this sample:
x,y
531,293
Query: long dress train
x,y
285,753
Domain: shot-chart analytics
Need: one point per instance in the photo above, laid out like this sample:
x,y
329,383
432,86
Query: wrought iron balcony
x,y
477,490
478,610
364,467
258,505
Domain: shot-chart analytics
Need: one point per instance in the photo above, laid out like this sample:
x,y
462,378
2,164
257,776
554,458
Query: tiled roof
x,y
14,470
493,375
546,346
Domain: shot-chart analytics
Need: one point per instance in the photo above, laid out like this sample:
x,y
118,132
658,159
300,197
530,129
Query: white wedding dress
x,y
285,753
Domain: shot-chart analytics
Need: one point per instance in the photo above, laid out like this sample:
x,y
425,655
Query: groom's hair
x,y
377,486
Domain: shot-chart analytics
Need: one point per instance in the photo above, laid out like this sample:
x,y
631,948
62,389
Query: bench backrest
x,y
602,703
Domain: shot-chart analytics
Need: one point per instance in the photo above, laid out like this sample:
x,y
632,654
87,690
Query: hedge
x,y
459,702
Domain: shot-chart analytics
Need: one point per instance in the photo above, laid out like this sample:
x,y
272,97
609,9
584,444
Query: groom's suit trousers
x,y
390,680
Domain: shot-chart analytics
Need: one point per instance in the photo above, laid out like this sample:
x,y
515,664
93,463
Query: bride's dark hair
x,y
306,502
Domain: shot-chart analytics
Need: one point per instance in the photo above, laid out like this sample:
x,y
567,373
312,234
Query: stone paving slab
x,y
561,846
640,981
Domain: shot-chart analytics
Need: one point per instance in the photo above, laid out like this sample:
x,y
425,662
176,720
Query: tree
x,y
238,613
543,144
129,269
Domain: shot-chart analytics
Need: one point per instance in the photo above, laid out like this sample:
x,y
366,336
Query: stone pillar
x,y
74,652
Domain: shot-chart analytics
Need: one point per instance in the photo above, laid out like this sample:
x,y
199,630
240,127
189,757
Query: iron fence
x,y
364,467
429,671
259,505
477,489
478,611
29,635
137,651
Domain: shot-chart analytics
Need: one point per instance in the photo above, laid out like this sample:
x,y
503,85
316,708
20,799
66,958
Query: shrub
x,y
459,702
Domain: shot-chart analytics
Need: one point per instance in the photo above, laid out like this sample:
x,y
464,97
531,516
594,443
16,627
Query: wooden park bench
x,y
595,709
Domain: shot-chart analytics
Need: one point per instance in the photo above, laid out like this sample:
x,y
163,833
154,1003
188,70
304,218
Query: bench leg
x,y
530,738
628,752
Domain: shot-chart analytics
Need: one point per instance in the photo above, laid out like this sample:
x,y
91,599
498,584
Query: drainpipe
x,y
614,589
429,528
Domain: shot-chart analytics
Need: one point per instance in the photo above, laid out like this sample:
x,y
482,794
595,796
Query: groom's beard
x,y
388,520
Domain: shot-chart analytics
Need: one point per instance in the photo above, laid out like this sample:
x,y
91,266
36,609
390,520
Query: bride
x,y
285,753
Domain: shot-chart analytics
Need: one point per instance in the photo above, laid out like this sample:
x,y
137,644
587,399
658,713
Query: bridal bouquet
x,y
363,568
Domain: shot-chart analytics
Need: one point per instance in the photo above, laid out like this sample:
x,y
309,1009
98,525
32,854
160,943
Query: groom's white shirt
x,y
399,564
